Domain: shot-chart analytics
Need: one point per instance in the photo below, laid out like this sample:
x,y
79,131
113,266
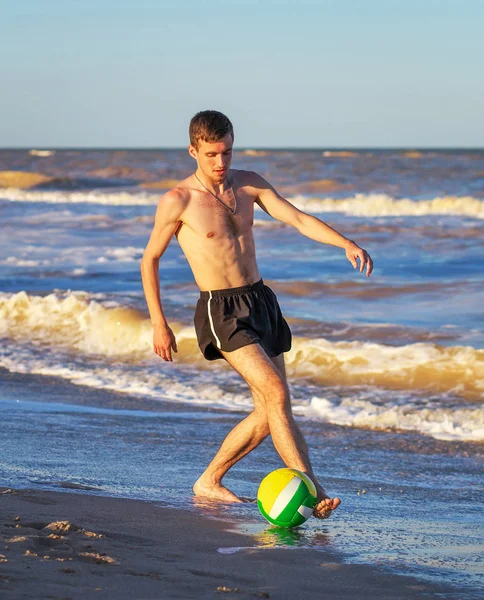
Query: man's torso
x,y
219,245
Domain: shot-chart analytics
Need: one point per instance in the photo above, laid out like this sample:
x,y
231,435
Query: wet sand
x,y
75,545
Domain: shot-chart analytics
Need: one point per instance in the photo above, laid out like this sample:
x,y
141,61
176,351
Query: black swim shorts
x,y
230,319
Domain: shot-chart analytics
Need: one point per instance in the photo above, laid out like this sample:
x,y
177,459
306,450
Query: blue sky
x,y
318,73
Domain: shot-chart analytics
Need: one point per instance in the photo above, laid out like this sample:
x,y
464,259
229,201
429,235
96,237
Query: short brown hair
x,y
209,126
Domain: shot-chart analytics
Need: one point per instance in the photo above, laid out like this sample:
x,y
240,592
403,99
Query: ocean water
x,y
386,372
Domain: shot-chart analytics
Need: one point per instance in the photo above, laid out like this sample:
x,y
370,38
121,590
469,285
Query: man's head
x,y
211,141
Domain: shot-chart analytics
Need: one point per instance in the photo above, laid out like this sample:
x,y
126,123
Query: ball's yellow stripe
x,y
271,486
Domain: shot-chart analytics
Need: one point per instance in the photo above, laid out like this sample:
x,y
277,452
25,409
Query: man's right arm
x,y
167,220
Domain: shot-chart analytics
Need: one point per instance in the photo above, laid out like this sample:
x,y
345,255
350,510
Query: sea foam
x,y
80,324
444,423
381,205
360,205
221,390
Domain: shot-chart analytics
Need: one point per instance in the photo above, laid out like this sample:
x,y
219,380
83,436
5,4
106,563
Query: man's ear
x,y
192,151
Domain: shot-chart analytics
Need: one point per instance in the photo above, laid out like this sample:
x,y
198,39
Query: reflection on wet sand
x,y
276,537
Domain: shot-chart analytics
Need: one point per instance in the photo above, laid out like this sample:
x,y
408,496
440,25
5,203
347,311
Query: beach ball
x,y
286,497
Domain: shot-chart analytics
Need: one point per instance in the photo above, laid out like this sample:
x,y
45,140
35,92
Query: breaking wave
x,y
88,197
362,205
78,323
102,344
381,205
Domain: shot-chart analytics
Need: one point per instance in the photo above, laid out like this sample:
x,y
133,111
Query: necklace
x,y
232,212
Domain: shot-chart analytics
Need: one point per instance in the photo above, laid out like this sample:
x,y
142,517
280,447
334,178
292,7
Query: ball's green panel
x,y
309,483
297,520
304,511
293,504
310,501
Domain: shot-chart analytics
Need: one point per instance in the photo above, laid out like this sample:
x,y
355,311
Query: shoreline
x,y
78,545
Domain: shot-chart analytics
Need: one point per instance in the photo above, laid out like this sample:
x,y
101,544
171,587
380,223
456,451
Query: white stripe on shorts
x,y
219,345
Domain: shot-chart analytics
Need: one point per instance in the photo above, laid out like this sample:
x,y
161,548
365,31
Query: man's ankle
x,y
209,480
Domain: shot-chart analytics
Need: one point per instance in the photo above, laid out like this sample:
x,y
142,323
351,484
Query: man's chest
x,y
209,218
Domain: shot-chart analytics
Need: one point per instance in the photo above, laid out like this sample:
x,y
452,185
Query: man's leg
x,y
242,439
325,504
266,379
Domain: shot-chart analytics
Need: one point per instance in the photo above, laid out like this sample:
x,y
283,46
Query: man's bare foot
x,y
325,505
214,491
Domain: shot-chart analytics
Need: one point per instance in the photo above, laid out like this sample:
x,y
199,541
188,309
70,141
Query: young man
x,y
237,317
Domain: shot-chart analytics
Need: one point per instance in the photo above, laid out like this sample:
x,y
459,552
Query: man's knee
x,y
262,421
275,397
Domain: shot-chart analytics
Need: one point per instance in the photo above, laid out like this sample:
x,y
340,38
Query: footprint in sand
x,y
61,537
100,559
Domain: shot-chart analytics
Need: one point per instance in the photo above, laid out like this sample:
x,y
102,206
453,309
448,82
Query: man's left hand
x,y
355,253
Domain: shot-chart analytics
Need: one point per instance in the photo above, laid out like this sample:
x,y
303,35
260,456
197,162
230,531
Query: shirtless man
x,y
237,316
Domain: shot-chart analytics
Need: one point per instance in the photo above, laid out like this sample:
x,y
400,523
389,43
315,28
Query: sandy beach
x,y
76,545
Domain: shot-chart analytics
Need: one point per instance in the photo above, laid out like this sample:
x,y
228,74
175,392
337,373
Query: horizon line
x,y
244,148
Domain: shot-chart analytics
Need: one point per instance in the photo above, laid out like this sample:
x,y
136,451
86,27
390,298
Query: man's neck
x,y
214,187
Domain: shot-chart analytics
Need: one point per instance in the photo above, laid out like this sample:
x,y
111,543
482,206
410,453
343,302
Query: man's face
x,y
214,158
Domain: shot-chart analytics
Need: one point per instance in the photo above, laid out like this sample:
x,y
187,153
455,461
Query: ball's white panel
x,y
285,496
305,511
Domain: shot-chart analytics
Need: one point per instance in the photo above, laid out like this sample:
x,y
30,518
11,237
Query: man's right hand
x,y
164,341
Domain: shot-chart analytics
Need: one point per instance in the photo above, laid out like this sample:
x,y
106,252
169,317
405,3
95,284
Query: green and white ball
x,y
286,497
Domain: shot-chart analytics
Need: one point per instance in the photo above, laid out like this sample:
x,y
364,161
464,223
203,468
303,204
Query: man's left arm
x,y
281,209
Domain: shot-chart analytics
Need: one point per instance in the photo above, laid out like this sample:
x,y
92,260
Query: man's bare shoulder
x,y
181,191
185,185
248,178
174,202
179,195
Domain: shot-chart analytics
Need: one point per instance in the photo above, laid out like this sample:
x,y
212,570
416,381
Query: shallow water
x,y
410,503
